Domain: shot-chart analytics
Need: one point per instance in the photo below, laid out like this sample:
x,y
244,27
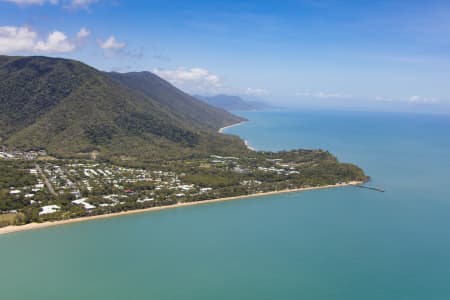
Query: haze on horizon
x,y
374,55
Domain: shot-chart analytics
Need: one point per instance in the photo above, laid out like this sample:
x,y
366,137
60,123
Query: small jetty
x,y
370,188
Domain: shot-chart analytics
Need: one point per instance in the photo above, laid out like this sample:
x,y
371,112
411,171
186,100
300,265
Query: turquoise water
x,y
344,243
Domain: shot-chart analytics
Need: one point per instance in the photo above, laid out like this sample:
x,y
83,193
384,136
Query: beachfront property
x,y
49,209
84,203
70,188
145,200
97,186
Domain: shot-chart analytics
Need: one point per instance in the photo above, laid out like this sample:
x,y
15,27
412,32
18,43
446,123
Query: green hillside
x,y
71,109
184,106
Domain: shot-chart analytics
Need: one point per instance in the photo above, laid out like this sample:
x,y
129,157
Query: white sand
x,y
33,226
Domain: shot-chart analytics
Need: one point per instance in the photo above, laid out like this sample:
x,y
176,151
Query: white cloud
x,y
83,33
422,100
57,42
80,3
204,82
29,2
382,99
25,40
324,95
64,3
111,44
256,92
193,80
16,39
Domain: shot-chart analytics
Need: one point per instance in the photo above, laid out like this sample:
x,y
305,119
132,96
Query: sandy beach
x,y
34,226
248,146
245,141
237,124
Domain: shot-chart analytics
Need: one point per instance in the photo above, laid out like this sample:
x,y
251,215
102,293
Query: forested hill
x,y
233,103
226,102
182,105
71,109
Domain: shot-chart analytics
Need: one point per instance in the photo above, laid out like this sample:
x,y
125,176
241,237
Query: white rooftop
x,y
49,209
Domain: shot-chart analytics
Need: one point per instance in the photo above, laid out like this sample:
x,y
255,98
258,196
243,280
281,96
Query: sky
x,y
376,55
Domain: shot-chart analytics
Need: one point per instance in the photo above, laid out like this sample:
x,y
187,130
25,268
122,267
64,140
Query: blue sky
x,y
385,55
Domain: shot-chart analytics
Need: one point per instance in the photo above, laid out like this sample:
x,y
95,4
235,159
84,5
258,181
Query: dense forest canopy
x,y
71,109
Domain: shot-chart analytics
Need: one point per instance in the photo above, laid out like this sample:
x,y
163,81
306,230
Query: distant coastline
x,y
34,226
221,130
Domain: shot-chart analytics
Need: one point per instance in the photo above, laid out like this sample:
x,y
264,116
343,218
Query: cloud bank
x,y
193,80
201,81
422,100
324,95
26,40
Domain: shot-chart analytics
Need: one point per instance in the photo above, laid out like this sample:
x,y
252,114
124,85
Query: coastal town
x,y
57,189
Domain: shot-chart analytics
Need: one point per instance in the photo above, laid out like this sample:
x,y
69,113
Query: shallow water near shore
x,y
345,243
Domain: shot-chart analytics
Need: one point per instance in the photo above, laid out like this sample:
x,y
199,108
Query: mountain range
x,y
71,110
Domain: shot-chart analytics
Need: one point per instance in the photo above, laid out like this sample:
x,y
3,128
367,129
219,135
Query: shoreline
x,y
247,144
232,125
35,226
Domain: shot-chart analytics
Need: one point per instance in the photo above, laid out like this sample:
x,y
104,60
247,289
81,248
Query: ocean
x,y
346,243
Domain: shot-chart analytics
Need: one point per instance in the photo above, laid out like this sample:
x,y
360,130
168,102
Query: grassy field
x,y
7,219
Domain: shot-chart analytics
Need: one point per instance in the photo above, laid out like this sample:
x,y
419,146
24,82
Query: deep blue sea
x,y
345,243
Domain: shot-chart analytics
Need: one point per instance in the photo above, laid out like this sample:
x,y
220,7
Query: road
x,y
46,181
